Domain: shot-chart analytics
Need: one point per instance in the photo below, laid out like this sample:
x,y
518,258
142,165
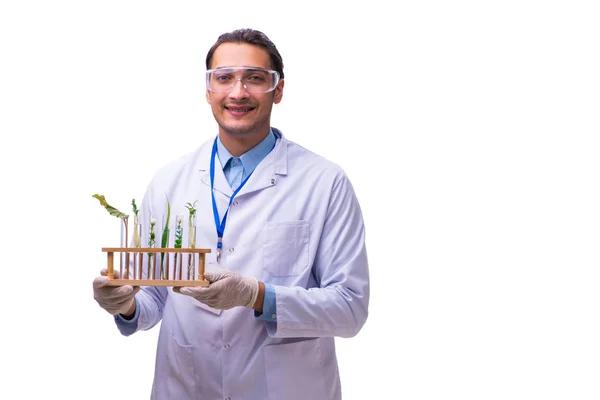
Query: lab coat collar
x,y
264,176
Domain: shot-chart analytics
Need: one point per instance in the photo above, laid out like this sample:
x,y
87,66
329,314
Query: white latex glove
x,y
114,299
226,290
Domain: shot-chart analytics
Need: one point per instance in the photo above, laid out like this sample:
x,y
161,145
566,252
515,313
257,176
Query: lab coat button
x,y
274,316
227,346
228,398
235,203
231,249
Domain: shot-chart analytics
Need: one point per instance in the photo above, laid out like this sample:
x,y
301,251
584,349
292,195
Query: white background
x,y
468,128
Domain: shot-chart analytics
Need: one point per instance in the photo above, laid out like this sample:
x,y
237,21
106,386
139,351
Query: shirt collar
x,y
252,157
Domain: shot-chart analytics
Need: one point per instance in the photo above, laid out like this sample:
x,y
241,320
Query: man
x,y
288,268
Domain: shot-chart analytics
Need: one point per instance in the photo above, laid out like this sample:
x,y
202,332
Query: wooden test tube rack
x,y
140,253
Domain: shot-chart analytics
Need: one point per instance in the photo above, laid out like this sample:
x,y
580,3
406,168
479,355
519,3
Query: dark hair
x,y
253,37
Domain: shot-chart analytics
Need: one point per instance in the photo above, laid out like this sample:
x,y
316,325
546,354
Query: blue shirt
x,y
236,169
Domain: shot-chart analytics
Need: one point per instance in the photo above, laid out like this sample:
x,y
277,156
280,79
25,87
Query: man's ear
x,y
278,92
208,98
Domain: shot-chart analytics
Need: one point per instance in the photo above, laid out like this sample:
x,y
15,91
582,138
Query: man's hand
x,y
114,299
227,290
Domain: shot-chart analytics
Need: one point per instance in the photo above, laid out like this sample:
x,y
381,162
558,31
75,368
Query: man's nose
x,y
239,90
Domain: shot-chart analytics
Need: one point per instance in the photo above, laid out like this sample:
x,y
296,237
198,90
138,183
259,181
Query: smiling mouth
x,y
239,110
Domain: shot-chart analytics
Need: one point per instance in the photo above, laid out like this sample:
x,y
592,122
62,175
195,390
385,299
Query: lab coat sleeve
x,y
339,306
128,326
148,311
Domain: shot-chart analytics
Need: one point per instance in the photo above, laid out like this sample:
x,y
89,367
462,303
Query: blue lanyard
x,y
218,223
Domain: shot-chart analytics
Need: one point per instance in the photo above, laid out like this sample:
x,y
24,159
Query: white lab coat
x,y
297,225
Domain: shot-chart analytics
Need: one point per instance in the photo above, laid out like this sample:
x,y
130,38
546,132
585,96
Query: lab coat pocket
x,y
285,248
174,377
295,371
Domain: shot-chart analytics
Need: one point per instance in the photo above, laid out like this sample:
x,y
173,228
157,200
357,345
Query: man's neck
x,y
240,144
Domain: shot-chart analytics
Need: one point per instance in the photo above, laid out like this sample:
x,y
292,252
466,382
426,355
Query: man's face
x,y
240,113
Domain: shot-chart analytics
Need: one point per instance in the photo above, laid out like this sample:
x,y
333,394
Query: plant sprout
x,y
152,235
135,209
192,208
113,211
165,236
136,234
178,234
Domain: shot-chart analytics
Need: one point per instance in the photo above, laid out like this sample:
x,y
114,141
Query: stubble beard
x,y
239,131
243,130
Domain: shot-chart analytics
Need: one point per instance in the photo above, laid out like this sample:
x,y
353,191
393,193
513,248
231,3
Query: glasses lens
x,y
254,80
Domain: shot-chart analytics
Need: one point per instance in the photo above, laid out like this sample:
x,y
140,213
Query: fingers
x,y
104,272
116,308
213,296
114,299
209,276
103,280
115,294
213,276
205,295
192,291
100,281
177,289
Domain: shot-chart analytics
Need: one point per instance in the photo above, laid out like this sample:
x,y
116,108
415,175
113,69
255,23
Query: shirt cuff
x,y
128,326
269,305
